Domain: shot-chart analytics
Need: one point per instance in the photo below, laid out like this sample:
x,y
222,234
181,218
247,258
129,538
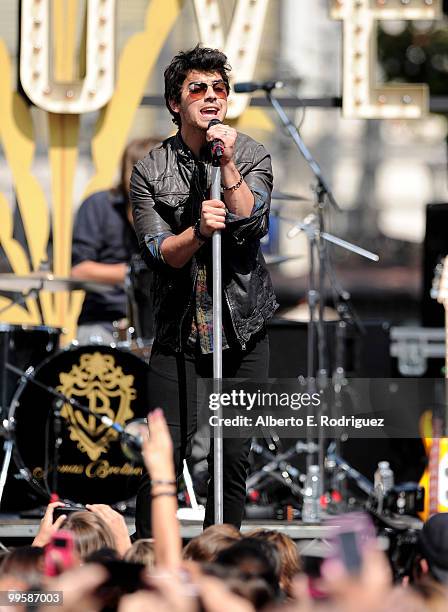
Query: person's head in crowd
x,y
290,561
201,60
25,563
253,558
212,541
102,555
253,589
433,549
90,532
135,150
142,551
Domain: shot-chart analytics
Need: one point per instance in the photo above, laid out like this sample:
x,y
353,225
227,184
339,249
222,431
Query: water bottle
x,y
383,482
311,496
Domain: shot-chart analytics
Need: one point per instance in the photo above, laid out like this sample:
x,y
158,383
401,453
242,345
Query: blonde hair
x,y
141,551
90,532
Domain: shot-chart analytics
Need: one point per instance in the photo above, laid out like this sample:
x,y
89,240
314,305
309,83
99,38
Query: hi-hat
x,y
42,281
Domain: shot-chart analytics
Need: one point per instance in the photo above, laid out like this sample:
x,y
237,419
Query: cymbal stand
x,y
278,466
314,228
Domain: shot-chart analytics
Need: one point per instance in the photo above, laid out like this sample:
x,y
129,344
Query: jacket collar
x,y
186,154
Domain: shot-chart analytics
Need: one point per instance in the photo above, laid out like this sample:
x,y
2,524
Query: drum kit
x,y
51,446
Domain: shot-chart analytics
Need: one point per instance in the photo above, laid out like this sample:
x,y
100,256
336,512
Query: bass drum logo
x,y
108,391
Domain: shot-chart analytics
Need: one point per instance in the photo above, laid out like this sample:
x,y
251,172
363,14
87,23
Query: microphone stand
x,y
317,237
215,194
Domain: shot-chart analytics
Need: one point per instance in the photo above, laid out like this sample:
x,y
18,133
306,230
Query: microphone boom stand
x,y
317,237
215,193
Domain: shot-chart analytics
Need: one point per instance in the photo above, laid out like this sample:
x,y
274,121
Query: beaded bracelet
x,y
236,186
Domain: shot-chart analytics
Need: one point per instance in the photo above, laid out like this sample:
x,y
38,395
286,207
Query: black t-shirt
x,y
103,233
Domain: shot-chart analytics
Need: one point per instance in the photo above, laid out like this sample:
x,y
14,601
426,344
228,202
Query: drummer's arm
x,y
100,272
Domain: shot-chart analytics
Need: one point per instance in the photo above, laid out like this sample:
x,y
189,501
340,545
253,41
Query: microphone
x,y
251,86
216,145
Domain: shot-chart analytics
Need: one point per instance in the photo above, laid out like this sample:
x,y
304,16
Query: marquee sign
x,y
39,63
362,96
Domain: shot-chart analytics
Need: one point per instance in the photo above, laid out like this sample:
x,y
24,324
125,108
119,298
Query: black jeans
x,y
173,387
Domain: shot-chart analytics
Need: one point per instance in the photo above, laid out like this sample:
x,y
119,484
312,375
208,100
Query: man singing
x,y
175,220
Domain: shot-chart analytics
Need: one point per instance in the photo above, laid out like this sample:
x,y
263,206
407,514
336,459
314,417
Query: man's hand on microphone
x,y
213,217
227,135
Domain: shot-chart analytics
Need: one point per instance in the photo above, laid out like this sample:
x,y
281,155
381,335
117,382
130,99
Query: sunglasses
x,y
198,90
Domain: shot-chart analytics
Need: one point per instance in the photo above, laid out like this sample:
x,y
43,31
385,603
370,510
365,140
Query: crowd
x,y
88,556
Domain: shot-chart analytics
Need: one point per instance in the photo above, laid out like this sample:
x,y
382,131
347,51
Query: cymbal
x,y
42,281
275,260
290,197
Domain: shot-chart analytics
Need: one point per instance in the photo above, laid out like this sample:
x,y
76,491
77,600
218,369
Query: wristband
x,y
197,232
164,493
164,482
236,186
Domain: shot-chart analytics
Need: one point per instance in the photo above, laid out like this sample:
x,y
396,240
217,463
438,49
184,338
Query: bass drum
x,y
91,467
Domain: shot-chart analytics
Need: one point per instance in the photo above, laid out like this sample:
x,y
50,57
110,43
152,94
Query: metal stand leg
x,y
8,448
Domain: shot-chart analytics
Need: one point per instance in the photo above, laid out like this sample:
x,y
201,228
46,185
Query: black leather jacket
x,y
167,188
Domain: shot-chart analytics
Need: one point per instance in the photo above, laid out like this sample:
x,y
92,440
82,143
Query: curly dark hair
x,y
200,58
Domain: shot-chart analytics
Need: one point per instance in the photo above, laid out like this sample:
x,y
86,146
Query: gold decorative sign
x,y
109,392
55,86
362,96
241,44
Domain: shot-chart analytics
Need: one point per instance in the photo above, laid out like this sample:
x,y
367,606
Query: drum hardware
x,y
42,281
23,346
278,468
109,479
320,267
275,260
288,197
335,461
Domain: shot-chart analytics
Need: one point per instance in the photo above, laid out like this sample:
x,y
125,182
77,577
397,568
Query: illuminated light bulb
x,y
406,99
241,52
92,92
358,30
102,46
428,2
101,72
357,55
47,91
102,20
247,27
358,102
381,2
37,49
358,80
37,23
382,99
36,74
405,2
69,93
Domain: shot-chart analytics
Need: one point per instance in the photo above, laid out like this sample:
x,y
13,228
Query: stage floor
x,y
311,539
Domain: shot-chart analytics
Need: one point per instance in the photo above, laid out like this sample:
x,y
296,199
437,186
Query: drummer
x,y
104,242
